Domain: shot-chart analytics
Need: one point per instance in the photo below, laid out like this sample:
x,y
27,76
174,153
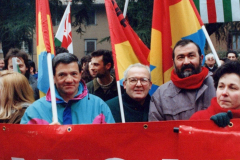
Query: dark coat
x,y
95,89
133,111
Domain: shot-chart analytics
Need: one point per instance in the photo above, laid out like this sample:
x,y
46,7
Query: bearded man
x,y
190,89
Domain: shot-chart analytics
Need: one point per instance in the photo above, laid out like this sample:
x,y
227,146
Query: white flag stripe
x,y
70,48
203,11
219,11
235,10
60,31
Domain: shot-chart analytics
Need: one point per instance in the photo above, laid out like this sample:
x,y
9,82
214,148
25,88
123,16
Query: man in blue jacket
x,y
74,104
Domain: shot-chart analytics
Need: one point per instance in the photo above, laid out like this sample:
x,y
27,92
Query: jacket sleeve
x,y
25,118
32,116
155,110
108,114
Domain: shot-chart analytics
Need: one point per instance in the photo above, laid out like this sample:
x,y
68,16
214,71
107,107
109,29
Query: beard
x,y
101,74
182,73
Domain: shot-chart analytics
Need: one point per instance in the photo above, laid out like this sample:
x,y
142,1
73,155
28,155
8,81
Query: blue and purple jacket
x,y
85,109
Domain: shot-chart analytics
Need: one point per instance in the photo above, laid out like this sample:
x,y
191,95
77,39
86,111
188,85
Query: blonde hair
x,y
15,90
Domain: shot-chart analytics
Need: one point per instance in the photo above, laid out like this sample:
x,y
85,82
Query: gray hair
x,y
136,65
209,55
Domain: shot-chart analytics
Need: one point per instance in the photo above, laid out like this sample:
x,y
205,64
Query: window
x,y
234,41
90,45
92,18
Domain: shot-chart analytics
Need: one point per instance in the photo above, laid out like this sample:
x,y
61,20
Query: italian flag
x,y
63,36
15,62
218,11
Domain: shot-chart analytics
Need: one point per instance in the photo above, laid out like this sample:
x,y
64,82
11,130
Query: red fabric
x,y
191,82
213,109
141,141
121,31
196,143
211,9
43,11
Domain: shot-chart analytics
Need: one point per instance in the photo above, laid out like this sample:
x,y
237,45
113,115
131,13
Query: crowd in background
x,y
86,89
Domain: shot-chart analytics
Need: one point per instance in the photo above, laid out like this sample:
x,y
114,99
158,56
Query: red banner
x,y
129,141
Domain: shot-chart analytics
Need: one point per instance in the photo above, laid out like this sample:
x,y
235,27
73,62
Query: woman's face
x,y
228,91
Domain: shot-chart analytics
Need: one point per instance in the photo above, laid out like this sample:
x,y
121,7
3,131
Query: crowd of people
x,y
86,89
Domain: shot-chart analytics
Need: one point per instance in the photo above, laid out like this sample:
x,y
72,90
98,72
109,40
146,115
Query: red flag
x,y
127,47
173,20
45,43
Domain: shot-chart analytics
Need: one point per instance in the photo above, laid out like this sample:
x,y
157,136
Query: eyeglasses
x,y
134,80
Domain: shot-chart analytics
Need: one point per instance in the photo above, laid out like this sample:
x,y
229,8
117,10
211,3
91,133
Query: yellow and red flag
x,y
127,47
173,20
45,43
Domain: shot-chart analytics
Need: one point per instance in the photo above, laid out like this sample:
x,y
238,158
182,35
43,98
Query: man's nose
x,y
69,79
139,83
186,60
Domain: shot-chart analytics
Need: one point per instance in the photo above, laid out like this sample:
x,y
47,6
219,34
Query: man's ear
x,y
108,66
201,58
54,79
124,84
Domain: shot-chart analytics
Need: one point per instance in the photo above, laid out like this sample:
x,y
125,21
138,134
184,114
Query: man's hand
x,y
222,119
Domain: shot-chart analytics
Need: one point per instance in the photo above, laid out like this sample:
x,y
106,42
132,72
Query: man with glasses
x,y
191,87
137,83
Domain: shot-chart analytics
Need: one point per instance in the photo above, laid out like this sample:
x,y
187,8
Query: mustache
x,y
187,66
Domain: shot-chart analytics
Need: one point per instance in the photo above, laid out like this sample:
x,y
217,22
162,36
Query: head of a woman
x,y
227,82
14,90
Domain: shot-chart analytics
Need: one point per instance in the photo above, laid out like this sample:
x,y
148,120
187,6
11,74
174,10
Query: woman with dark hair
x,y
86,72
226,104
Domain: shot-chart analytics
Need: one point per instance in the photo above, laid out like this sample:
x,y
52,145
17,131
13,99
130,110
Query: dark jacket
x,y
213,69
33,83
133,111
95,89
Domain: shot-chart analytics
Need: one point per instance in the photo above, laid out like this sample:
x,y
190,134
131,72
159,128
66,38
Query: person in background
x,y
74,104
15,96
232,55
210,62
32,69
23,66
104,85
226,104
86,71
85,60
60,50
137,83
2,64
190,89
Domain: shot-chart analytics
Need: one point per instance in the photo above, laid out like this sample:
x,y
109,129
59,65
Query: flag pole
x,y
120,102
211,46
118,82
125,8
52,88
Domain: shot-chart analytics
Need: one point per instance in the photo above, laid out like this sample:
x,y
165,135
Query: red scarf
x,y
216,108
192,82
